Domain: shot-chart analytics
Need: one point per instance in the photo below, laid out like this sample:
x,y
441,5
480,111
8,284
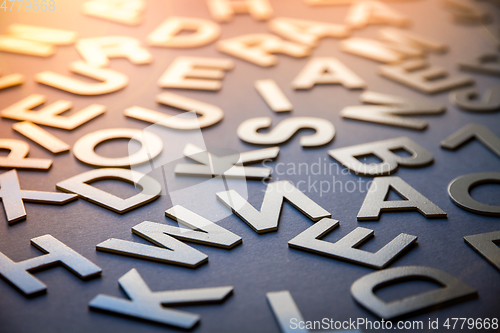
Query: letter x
x,y
230,165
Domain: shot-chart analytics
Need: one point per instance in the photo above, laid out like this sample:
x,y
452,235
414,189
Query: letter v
x,y
469,132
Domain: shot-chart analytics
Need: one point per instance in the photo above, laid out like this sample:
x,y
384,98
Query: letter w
x,y
266,220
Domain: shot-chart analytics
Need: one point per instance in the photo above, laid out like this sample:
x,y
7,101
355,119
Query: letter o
x,y
151,143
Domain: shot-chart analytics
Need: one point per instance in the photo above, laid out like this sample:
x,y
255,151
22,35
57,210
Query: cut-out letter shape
x,y
287,313
111,80
200,230
17,156
410,40
224,10
418,75
13,197
306,32
327,71
273,95
28,47
167,249
466,12
42,34
151,146
363,13
18,273
34,40
346,248
452,291
468,100
488,63
229,166
50,115
10,80
459,192
397,45
487,246
377,50
168,33
148,305
383,149
97,51
197,230
325,131
121,11
209,113
195,73
258,48
266,220
78,184
375,203
470,132
41,136
392,110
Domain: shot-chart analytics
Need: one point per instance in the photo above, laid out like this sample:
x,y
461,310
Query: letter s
x,y
325,324
325,131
